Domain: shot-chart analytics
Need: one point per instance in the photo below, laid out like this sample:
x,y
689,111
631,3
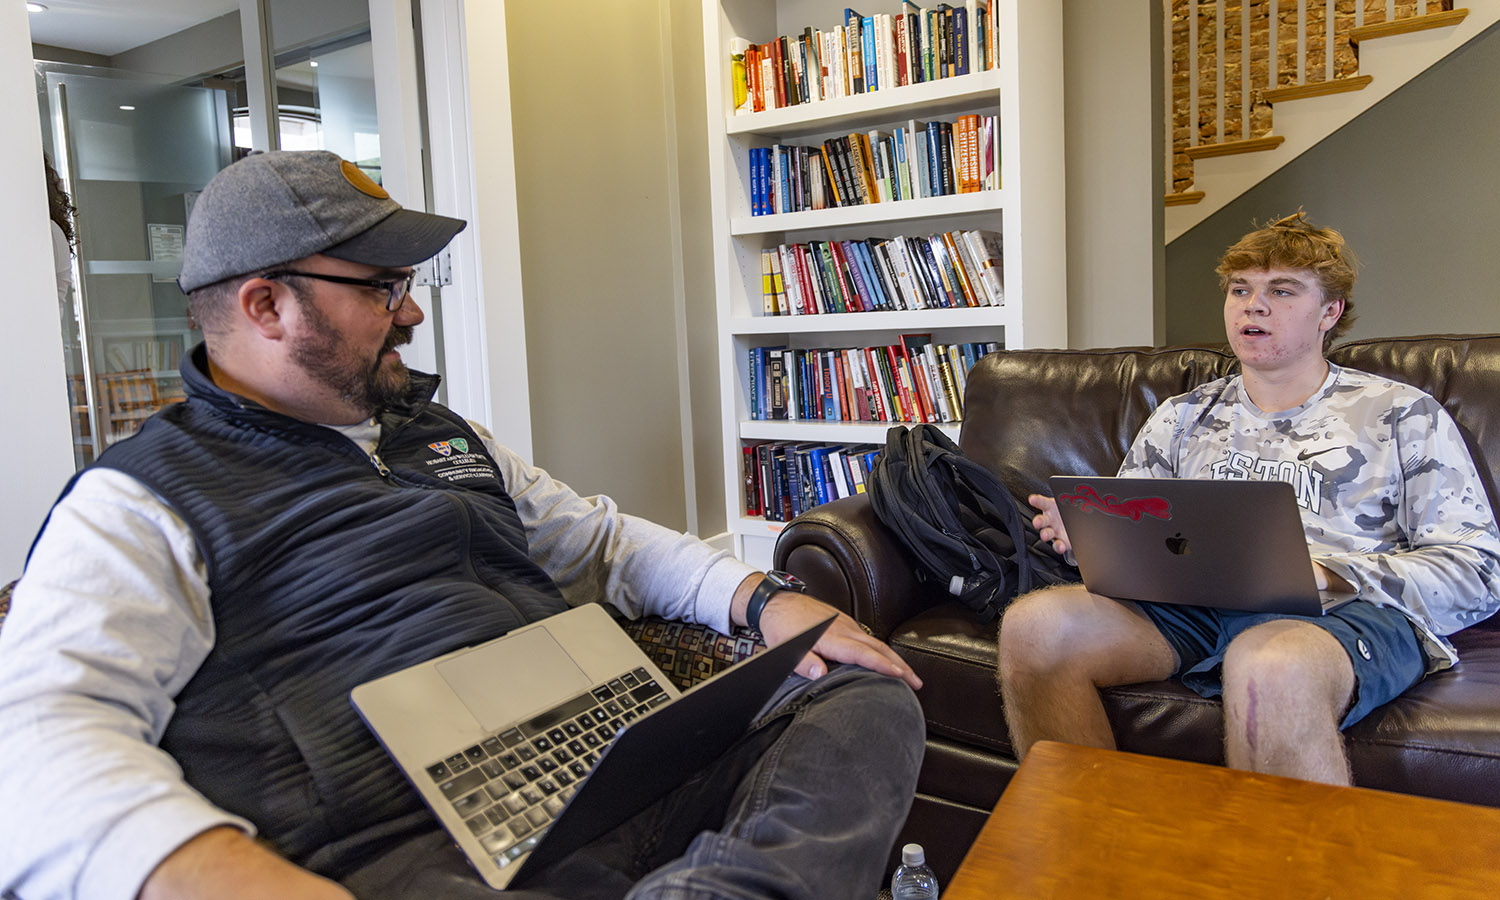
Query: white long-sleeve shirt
x,y
113,617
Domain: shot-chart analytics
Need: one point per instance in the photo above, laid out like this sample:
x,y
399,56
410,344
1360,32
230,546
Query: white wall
x,y
691,117
474,178
36,455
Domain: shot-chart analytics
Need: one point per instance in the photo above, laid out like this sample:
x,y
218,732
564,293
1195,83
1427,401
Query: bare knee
x,y
1287,665
1286,686
1034,632
1067,632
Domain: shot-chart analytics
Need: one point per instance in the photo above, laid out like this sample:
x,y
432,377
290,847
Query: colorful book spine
x,y
853,23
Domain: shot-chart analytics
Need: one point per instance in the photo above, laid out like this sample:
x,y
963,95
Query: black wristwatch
x,y
773,582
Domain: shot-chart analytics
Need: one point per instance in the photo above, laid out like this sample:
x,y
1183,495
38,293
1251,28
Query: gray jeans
x,y
807,805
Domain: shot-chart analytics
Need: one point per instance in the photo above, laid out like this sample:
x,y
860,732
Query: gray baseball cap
x,y
271,208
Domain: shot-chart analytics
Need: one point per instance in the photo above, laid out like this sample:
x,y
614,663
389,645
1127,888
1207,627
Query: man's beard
x,y
366,384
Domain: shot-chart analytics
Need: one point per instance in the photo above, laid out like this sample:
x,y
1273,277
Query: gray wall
x,y
1112,91
1414,184
595,191
65,55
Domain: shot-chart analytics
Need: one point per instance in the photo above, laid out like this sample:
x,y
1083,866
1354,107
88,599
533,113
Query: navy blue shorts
x,y
1385,650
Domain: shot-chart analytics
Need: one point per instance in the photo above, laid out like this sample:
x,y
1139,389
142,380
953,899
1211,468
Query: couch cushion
x,y
1441,738
955,657
1030,414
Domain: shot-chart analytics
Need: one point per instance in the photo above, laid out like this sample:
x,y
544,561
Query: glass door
x,y
133,153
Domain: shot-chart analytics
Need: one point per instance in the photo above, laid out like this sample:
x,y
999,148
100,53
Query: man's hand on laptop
x,y
1329,580
789,613
1048,523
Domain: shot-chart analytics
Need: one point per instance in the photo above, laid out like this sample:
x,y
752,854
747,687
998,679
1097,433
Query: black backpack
x,y
960,521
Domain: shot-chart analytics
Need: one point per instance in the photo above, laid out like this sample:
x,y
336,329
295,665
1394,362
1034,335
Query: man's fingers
x,y
860,649
812,666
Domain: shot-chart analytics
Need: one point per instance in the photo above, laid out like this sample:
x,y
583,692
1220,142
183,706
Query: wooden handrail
x,y
1407,25
1210,104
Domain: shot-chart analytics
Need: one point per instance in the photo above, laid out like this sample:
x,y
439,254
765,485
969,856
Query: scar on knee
x,y
1250,723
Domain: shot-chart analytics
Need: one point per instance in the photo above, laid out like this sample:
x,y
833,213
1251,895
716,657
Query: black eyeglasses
x,y
396,289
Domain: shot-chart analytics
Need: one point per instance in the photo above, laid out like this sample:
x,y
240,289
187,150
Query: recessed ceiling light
x,y
127,108
313,63
35,7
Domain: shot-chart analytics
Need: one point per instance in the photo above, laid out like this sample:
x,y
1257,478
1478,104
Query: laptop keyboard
x,y
509,787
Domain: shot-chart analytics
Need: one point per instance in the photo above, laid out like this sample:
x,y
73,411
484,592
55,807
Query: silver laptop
x,y
1227,544
531,745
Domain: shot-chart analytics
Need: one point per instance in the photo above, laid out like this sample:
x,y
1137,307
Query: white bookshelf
x,y
1025,90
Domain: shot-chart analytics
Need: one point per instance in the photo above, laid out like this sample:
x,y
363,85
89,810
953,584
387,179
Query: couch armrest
x,y
852,561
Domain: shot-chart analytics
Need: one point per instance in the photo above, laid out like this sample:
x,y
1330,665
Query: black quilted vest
x,y
326,571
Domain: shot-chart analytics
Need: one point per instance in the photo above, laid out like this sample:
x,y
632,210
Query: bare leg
x,y
1058,646
1287,685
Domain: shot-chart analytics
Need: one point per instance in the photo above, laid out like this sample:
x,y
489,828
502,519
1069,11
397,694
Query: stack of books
x,y
784,480
864,54
937,271
913,381
918,159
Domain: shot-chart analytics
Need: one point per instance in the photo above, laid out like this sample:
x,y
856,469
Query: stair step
x,y
1408,25
1228,148
1316,89
1183,198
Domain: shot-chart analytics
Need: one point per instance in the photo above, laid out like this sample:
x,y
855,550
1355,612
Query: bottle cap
x,y
913,855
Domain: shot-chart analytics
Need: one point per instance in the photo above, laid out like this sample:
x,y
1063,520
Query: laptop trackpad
x,y
537,674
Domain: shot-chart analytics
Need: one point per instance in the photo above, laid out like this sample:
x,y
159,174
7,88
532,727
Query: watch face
x,y
787,581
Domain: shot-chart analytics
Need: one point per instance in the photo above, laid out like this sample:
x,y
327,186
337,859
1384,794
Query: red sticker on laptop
x,y
1133,508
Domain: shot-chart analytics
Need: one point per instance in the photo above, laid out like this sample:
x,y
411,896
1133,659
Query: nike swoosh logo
x,y
1305,455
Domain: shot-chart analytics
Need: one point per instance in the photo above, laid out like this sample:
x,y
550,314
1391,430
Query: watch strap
x,y
758,600
768,587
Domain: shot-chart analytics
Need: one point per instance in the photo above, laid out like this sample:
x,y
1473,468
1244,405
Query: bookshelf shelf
x,y
895,321
980,202
947,96
837,432
757,527
1023,91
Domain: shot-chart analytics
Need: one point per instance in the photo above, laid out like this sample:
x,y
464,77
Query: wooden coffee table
x,y
1076,822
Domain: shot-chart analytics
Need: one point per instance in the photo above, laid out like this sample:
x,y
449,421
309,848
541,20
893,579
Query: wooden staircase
x,y
1220,127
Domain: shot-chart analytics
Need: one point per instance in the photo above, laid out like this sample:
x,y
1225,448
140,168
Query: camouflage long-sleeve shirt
x,y
1389,495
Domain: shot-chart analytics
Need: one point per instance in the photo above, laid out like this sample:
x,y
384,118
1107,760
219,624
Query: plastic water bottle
x,y
912,880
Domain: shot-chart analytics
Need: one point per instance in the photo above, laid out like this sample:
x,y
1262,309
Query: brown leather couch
x,y
1031,414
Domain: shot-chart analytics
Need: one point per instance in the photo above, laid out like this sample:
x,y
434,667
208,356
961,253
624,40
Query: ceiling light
x,y
127,108
35,7
313,63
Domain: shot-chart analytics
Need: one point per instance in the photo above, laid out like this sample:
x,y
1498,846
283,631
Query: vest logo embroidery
x,y
457,465
446,448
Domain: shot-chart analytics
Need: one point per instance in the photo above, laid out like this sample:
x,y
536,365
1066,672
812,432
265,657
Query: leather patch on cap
x,y
366,185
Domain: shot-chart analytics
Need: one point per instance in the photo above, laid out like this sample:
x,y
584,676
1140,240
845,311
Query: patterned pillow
x,y
688,653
